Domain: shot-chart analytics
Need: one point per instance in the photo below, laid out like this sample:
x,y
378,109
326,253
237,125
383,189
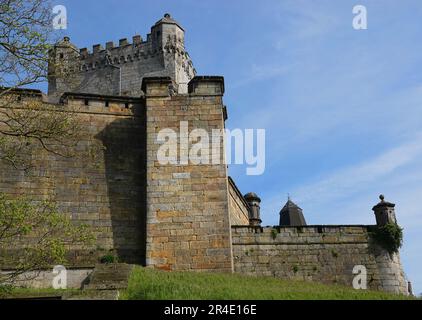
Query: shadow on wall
x,y
124,142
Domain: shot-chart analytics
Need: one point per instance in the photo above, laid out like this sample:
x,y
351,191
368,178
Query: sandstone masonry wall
x,y
102,186
316,253
239,215
188,225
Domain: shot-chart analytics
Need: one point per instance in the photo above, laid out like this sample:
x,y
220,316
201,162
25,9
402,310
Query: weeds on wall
x,y
390,237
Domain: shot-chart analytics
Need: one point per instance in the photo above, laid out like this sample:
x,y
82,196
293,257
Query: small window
x,y
158,34
86,102
127,105
107,104
61,55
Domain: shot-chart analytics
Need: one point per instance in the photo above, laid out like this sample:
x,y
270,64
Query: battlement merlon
x,y
118,70
166,34
155,87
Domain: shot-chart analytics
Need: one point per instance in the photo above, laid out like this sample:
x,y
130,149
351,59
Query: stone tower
x,y
254,208
188,223
291,215
119,70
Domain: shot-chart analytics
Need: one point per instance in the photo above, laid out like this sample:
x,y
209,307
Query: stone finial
x,y
384,212
167,15
66,39
254,208
409,288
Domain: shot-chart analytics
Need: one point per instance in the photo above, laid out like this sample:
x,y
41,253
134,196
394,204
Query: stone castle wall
x,y
102,186
324,254
238,207
177,216
180,216
188,225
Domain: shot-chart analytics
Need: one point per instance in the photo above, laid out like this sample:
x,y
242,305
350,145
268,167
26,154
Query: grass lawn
x,y
25,293
150,284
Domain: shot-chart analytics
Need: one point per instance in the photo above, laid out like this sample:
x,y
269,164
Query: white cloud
x,y
349,180
346,195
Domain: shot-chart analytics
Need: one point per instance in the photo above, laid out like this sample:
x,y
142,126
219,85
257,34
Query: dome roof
x,y
252,196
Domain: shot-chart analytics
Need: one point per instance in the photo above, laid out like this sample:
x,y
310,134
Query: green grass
x,y
17,293
150,284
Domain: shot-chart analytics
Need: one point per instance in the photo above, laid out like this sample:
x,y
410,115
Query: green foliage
x,y
5,290
274,233
150,284
108,258
36,235
390,237
25,35
295,269
334,253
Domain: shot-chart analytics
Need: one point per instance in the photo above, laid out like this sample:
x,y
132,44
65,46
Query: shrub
x,y
274,234
390,237
108,258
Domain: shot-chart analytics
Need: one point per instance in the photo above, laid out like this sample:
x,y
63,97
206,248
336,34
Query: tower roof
x,y
291,215
383,203
252,196
169,20
290,205
65,42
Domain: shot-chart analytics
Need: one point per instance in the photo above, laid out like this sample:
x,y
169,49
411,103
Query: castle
x,y
184,216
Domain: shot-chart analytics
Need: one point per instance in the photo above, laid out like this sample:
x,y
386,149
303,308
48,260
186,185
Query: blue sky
x,y
342,108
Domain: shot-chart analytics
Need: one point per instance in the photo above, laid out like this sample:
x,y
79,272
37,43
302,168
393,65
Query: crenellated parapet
x,y
127,52
112,69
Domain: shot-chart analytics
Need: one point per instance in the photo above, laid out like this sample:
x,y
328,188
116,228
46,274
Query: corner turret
x,y
168,36
167,33
254,208
384,212
62,64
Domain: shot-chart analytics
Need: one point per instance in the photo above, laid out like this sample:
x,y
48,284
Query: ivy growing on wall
x,y
390,237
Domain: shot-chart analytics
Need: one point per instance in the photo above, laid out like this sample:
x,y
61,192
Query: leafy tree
x,y
26,37
34,236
